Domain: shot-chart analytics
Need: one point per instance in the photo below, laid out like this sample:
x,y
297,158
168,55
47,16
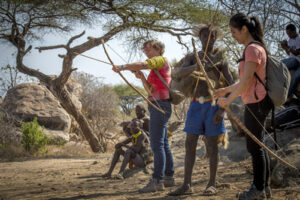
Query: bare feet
x,y
106,175
210,191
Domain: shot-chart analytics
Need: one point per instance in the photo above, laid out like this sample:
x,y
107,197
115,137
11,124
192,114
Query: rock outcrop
x,y
29,100
289,149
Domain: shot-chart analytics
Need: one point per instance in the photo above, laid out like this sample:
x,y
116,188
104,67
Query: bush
x,y
99,105
9,134
33,138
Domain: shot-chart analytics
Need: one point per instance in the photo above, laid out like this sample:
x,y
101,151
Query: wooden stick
x,y
154,106
234,117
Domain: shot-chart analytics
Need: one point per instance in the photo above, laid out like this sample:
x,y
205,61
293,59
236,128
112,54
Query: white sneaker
x,y
153,186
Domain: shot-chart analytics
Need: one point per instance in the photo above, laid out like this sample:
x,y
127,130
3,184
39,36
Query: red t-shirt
x,y
254,53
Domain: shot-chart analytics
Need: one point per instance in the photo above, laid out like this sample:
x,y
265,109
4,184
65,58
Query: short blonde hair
x,y
157,45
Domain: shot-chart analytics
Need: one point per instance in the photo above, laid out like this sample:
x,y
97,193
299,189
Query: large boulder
x,y
29,100
75,90
288,141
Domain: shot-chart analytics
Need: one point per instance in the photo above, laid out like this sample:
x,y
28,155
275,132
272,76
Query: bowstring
x,y
269,135
141,71
214,65
206,47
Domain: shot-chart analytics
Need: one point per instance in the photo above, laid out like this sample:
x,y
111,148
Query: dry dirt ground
x,y
80,177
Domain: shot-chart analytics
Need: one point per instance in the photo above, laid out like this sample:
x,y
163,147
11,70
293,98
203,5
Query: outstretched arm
x,y
240,86
136,66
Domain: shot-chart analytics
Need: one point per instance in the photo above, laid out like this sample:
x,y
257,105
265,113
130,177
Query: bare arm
x,y
295,52
126,141
239,87
136,66
139,144
288,50
285,46
221,92
186,68
123,143
146,84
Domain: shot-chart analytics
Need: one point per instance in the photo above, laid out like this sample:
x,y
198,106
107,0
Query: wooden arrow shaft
x,y
154,106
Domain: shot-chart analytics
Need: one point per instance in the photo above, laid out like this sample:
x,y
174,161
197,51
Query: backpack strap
x,y
161,78
257,77
243,59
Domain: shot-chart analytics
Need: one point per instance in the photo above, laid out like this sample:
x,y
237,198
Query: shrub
x,y
33,138
9,134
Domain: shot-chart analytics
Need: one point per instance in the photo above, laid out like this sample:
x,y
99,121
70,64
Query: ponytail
x,y
254,26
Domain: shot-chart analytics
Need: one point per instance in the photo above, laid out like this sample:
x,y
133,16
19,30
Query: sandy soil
x,y
80,178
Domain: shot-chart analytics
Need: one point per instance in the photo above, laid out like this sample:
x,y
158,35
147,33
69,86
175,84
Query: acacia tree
x,y
274,16
129,98
9,77
22,21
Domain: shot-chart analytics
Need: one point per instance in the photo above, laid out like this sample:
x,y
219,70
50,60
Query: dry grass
x,y
69,149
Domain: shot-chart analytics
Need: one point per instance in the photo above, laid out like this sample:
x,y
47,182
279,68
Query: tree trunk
x,y
64,97
58,89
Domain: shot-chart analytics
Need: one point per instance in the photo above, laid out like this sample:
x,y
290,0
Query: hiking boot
x,y
252,194
268,192
169,181
153,186
182,190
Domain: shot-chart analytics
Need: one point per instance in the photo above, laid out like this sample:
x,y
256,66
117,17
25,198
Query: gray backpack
x,y
278,79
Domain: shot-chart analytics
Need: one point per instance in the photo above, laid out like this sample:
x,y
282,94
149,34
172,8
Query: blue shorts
x,y
200,120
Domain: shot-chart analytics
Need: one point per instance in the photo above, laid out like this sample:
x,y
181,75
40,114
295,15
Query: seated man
x,y
140,112
292,48
138,153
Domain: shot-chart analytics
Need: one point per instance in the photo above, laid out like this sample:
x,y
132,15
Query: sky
x,y
49,63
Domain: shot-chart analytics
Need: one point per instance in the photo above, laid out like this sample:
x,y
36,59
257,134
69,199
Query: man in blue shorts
x,y
203,118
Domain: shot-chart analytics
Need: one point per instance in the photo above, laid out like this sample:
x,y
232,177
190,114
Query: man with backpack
x,y
292,48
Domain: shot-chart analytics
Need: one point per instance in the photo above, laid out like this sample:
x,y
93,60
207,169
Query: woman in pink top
x,y
159,95
258,104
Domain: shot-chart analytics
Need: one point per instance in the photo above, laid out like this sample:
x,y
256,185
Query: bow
x,y
205,54
154,106
227,109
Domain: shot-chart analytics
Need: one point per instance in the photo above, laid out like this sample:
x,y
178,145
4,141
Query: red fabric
x,y
160,91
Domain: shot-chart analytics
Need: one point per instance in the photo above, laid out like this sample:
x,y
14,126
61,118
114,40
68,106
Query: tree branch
x,y
74,38
51,47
